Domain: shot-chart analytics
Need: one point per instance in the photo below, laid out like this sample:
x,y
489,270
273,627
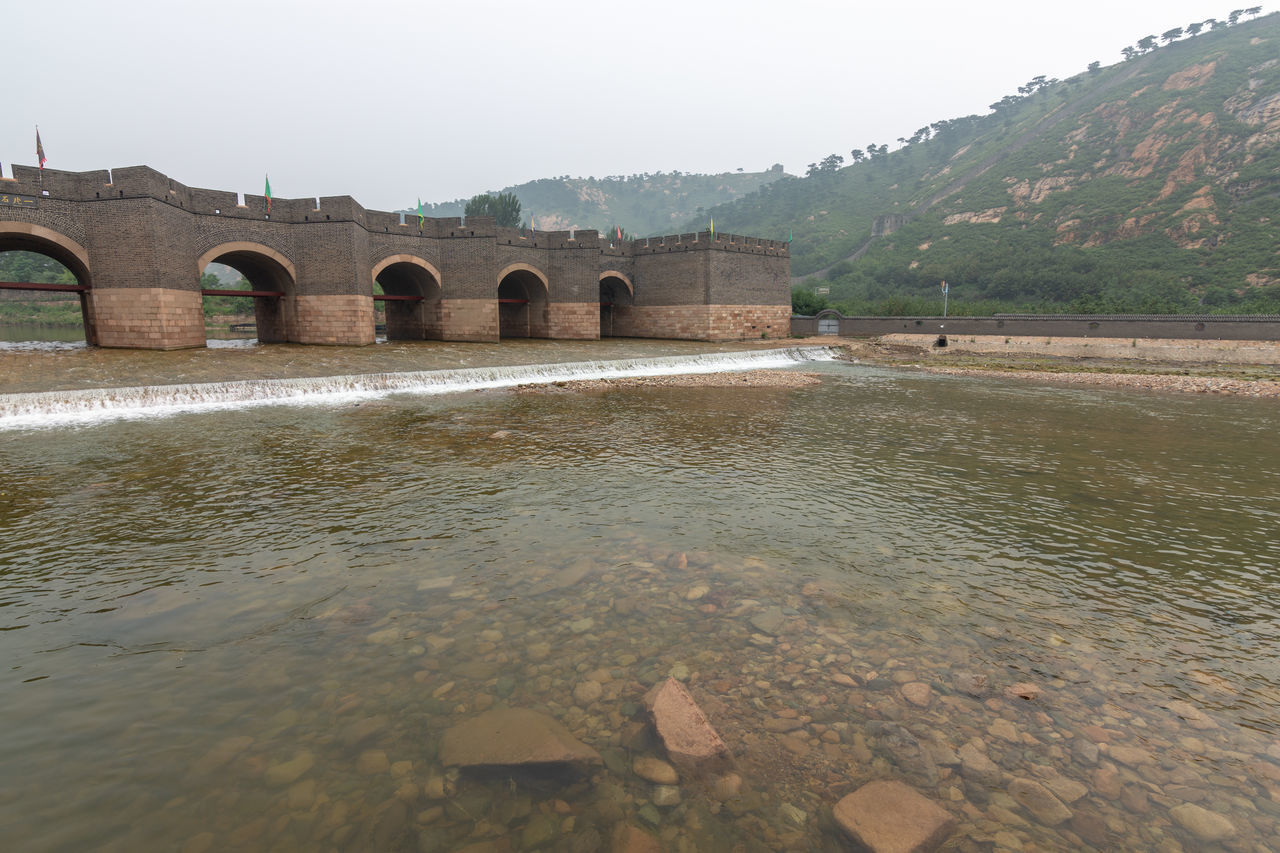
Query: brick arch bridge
x,y
138,241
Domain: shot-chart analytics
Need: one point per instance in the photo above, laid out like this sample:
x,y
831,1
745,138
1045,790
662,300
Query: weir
x,y
138,241
84,406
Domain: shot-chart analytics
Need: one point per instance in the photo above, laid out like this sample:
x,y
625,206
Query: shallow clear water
x,y
190,604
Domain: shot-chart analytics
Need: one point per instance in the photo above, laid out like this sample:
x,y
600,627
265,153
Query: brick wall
x,y
702,322
574,321
137,229
148,318
326,319
469,320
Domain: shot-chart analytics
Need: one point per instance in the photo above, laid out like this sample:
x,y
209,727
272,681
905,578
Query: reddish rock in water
x,y
692,743
889,817
512,736
1022,690
633,839
917,693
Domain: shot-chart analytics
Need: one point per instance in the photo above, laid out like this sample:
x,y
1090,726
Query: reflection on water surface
x,y
248,629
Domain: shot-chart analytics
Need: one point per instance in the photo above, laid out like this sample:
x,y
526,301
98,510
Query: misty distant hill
x,y
644,205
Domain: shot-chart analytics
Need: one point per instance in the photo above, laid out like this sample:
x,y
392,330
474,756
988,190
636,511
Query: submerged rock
x,y
655,770
889,817
905,750
512,736
1040,801
917,693
971,683
288,772
976,764
768,621
692,743
632,839
1202,823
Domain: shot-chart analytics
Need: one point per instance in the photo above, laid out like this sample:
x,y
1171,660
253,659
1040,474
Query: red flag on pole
x,y
39,149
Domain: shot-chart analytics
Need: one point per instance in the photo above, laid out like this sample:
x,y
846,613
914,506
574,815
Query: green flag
x,y
267,193
792,235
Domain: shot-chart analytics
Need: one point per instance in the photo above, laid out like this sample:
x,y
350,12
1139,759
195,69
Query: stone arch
x,y
29,237
827,321
506,271
524,296
617,296
408,259
246,250
402,278
631,290
267,271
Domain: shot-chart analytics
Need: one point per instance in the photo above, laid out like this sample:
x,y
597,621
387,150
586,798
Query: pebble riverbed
x,y
812,699
1050,611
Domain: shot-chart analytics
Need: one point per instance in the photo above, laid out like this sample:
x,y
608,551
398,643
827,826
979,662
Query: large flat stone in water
x,y
692,743
511,736
889,817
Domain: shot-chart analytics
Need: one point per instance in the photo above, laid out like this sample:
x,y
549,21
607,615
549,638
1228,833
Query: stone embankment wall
x,y
1188,327
1163,350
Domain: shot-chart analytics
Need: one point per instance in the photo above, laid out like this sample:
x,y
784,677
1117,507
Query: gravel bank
x,y
1144,381
735,379
1191,369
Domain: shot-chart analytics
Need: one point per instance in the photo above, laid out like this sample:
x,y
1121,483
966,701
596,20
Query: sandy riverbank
x,y
1235,368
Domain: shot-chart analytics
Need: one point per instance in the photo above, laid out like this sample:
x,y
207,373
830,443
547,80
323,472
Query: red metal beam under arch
x,y
26,285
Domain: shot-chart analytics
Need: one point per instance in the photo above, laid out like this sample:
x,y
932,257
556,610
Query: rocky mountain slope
x,y
1150,185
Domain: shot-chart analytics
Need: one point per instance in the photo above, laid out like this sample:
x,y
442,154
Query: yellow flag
x,y
713,228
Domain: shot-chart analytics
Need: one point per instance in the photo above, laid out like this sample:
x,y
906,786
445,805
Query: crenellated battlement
x,y
134,182
699,242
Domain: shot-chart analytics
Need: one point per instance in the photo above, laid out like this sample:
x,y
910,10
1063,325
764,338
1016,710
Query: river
x,y
238,611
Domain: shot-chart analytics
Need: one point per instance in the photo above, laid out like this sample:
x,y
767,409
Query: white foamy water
x,y
65,408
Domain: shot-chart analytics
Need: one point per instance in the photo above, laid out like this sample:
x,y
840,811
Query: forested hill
x,y
643,205
1149,185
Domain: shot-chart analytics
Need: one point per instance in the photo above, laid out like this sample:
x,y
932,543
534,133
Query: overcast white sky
x,y
389,101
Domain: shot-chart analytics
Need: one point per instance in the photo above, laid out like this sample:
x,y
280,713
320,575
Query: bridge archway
x,y
523,303
616,296
272,285
29,237
411,291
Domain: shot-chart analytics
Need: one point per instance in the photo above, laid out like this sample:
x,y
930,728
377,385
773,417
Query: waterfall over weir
x,y
64,408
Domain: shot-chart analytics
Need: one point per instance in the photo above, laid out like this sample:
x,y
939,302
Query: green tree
x,y
503,207
34,268
805,301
